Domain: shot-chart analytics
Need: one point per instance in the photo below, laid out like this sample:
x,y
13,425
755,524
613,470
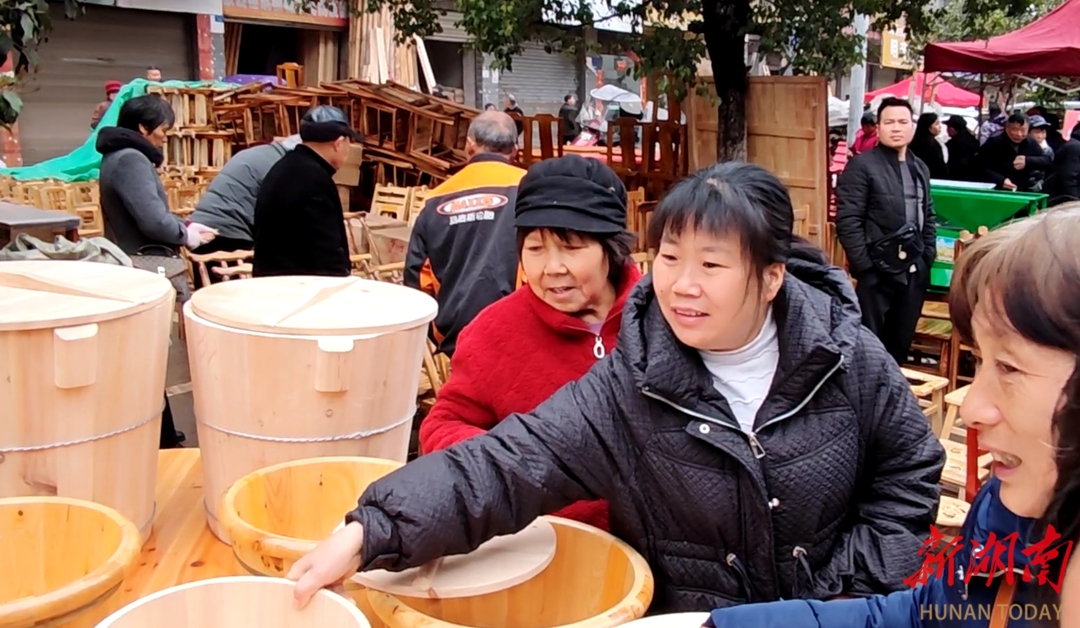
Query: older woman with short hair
x,y
575,256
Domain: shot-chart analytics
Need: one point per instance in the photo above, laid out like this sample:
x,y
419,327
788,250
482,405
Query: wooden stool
x,y
951,515
930,391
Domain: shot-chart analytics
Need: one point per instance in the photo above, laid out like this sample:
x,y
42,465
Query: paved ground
x,y
178,389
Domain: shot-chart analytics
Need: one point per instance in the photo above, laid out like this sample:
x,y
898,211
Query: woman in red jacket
x,y
575,253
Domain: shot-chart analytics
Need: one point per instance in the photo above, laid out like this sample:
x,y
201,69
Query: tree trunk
x,y
724,30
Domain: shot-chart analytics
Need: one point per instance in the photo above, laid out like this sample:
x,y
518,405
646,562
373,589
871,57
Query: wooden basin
x,y
277,514
594,581
62,561
239,602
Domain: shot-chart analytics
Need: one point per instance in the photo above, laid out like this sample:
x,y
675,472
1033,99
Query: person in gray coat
x,y
229,203
133,200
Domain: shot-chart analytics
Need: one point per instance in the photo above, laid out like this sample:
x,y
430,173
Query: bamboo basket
x,y
63,561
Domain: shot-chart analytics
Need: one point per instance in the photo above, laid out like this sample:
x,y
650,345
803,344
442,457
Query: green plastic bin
x,y
968,209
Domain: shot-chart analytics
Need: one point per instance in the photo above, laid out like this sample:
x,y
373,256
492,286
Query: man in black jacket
x,y
885,222
568,114
299,222
1013,160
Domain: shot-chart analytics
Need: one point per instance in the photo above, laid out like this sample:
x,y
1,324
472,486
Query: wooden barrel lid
x,y
499,564
43,294
314,306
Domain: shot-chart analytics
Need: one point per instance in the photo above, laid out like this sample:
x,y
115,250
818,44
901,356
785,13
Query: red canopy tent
x,y
943,92
1049,46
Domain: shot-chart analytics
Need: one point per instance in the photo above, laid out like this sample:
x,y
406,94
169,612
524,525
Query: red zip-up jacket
x,y
514,355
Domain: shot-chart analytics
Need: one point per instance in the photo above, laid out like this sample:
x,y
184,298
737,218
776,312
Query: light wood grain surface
x,y
182,549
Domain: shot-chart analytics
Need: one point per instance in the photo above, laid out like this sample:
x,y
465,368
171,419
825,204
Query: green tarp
x,y
83,163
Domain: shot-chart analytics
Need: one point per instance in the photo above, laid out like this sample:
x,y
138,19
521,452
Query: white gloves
x,y
197,235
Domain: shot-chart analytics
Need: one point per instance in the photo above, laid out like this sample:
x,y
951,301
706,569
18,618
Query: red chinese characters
x,y
995,557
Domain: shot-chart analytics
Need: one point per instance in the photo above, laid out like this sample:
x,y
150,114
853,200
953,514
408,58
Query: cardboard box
x,y
349,173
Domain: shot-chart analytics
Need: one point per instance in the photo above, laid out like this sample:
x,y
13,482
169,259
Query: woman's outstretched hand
x,y
335,559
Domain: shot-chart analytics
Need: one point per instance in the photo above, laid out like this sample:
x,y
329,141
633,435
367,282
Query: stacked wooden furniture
x,y
184,186
413,138
195,141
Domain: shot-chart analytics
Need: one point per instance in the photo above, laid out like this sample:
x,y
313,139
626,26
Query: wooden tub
x,y
83,348
237,602
594,581
288,368
276,515
63,561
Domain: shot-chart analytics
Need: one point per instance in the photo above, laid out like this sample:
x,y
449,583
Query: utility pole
x,y
861,24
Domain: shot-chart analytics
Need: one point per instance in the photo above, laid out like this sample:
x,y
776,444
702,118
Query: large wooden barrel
x,y
287,368
594,581
240,602
63,560
83,350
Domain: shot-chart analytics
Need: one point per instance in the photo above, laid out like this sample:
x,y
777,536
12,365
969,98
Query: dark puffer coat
x,y
832,493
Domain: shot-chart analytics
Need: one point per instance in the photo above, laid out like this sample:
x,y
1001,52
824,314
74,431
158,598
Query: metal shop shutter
x,y
539,80
449,31
100,45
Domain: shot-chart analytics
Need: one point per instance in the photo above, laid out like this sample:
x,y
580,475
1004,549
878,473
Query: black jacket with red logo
x,y
463,249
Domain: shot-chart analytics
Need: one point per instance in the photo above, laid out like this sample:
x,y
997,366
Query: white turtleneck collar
x,y
743,376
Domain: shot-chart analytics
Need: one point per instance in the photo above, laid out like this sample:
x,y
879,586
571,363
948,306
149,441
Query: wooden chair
x,y
93,224
634,200
958,350
933,336
391,200
547,132
54,197
291,74
226,265
644,261
417,199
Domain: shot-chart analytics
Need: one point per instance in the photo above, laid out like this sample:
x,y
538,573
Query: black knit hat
x,y
574,193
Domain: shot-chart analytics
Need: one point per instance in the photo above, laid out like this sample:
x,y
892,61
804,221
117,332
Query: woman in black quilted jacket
x,y
754,441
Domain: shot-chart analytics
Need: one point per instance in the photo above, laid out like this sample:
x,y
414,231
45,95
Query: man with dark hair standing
x,y
568,114
153,73
299,222
1013,160
463,248
885,222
